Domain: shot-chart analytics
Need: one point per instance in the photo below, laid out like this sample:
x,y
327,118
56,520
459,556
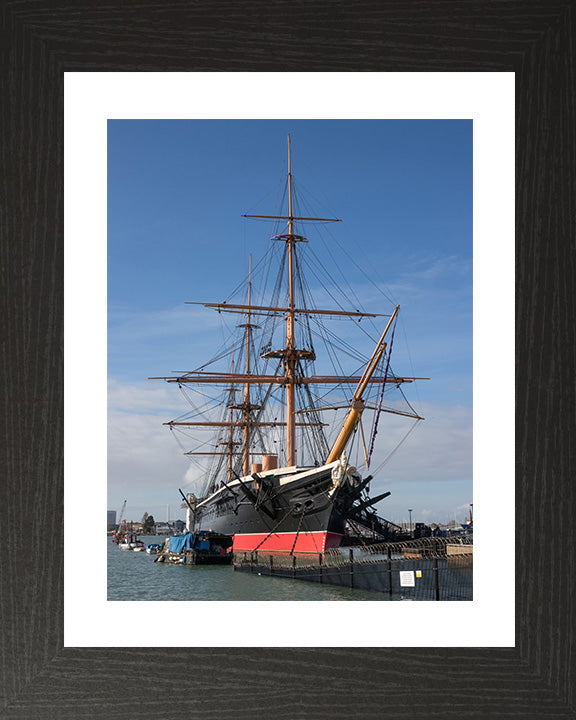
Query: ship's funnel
x,y
269,462
256,468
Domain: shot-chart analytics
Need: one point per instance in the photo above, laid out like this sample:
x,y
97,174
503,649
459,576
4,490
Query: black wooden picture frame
x,y
39,678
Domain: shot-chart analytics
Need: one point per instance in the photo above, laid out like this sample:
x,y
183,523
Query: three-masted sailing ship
x,y
277,483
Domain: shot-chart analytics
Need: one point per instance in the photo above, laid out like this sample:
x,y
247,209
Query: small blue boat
x,y
198,548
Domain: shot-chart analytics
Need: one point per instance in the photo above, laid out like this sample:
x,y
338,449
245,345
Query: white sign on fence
x,y
407,578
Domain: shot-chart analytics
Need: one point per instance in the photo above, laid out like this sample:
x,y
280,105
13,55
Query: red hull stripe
x,y
284,542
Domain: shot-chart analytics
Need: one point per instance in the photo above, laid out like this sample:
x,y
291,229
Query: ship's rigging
x,y
272,401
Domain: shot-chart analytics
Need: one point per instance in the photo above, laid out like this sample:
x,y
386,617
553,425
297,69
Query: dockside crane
x,y
120,517
117,534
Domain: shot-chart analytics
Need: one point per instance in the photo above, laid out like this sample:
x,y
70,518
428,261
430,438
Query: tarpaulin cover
x,y
181,542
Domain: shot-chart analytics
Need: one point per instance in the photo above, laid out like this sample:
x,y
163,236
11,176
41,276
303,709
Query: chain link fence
x,y
423,569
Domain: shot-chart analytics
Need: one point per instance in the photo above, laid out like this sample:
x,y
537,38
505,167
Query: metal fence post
x,y
271,564
351,568
390,571
436,580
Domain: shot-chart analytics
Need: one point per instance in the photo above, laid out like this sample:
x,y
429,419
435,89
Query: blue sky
x,y
176,193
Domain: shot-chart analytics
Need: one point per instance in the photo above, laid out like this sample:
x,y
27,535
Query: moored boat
x,y
197,548
129,541
153,548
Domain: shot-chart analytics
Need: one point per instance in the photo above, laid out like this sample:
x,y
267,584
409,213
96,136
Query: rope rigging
x,y
309,329
379,411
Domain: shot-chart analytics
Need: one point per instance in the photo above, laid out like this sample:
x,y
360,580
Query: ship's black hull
x,y
287,510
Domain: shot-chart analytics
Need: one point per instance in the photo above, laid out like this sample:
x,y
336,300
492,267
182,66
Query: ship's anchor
x,y
254,499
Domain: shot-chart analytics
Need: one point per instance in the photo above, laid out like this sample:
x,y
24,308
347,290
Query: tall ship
x,y
276,473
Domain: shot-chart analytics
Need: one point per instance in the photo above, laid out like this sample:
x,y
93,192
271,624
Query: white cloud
x,y
431,469
439,448
138,397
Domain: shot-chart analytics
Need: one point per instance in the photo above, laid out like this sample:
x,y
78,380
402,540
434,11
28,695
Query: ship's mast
x,y
230,429
247,407
290,344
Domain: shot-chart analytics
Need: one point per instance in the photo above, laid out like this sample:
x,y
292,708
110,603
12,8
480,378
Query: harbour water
x,y
135,576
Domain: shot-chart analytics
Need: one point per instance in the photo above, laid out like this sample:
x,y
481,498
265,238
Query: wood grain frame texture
x,y
41,39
